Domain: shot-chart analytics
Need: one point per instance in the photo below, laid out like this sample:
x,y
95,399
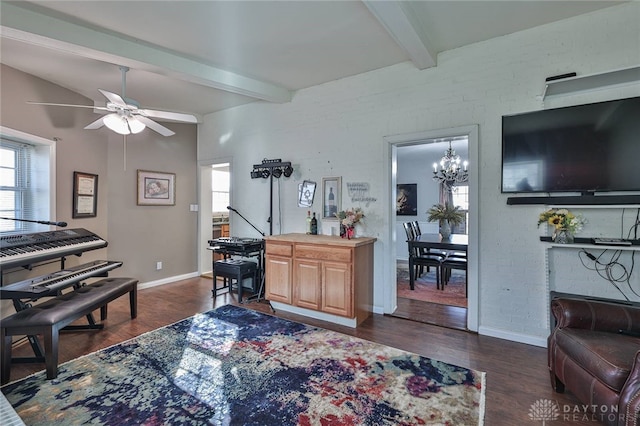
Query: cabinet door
x,y
278,279
306,293
337,289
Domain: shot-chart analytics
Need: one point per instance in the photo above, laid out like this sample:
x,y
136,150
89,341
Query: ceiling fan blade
x,y
95,124
113,98
177,116
68,105
155,126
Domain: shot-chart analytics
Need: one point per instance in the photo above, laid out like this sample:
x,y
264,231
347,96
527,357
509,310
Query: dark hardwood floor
x,y
517,374
431,313
428,312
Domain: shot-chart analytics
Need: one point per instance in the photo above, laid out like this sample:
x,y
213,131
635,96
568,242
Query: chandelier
x,y
450,173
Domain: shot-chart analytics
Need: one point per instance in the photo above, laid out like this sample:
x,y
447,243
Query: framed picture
x,y
407,199
85,195
156,188
306,192
331,197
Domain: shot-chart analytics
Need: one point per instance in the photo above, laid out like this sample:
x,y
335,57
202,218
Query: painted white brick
x,y
336,129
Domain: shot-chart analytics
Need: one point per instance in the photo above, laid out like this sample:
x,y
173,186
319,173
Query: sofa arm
x,y
595,315
629,402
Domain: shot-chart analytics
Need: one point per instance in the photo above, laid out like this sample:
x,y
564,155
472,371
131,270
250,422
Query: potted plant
x,y
446,215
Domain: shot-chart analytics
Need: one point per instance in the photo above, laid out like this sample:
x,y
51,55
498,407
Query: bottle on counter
x,y
314,225
308,221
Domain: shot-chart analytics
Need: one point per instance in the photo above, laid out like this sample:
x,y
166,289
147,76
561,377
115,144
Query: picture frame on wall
x,y
85,195
156,188
306,193
331,197
407,199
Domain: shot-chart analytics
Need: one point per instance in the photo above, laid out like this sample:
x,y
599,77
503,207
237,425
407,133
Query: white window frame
x,y
43,172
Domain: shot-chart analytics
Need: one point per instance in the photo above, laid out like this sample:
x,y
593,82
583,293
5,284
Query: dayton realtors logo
x,y
547,410
544,410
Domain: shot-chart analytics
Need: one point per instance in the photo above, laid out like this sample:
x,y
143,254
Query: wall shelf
x,y
594,81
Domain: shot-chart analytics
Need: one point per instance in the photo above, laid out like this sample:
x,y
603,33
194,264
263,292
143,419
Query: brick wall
x,y
337,129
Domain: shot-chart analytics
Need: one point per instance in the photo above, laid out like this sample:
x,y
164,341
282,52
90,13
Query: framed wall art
x,y
156,188
306,192
407,199
331,197
85,195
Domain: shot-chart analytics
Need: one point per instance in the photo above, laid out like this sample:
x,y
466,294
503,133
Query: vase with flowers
x,y
446,215
348,220
565,224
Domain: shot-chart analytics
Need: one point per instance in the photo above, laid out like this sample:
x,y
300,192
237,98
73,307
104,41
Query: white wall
x,y
337,129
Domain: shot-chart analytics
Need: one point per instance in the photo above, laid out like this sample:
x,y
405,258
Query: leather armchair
x,y
594,352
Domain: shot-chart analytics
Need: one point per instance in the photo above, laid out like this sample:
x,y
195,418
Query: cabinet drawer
x,y
277,249
338,254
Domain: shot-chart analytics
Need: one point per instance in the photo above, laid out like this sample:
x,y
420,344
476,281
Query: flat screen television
x,y
586,149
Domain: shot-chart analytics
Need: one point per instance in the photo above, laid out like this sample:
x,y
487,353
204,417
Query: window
x,y
26,181
219,187
460,195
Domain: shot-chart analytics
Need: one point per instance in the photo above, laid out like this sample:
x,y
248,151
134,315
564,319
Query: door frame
x,y
205,264
393,142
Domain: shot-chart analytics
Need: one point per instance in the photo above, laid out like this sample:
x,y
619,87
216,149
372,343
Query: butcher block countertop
x,y
321,239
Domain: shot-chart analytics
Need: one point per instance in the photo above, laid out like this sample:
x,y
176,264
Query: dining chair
x,y
454,260
418,261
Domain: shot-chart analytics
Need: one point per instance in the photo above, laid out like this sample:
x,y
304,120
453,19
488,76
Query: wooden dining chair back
x,y
418,259
416,228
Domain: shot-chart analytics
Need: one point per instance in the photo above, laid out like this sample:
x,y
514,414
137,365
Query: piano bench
x,y
49,317
232,269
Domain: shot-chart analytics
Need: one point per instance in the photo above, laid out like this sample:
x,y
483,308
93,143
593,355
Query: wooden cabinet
x,y
219,230
320,273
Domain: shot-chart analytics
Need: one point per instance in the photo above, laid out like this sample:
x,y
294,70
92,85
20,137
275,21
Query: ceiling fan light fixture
x,y
117,123
135,125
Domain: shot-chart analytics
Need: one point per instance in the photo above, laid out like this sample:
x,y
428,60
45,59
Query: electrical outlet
x,y
158,266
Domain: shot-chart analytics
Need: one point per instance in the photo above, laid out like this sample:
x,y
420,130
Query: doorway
x,y
213,216
411,157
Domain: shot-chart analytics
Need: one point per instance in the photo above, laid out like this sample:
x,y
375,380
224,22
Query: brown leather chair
x,y
594,352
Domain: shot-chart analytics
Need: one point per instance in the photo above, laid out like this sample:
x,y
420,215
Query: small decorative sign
x,y
359,193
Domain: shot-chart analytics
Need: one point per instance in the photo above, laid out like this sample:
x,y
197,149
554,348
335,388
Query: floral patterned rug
x,y
235,366
425,287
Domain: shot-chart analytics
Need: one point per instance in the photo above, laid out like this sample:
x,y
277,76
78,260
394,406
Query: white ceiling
x,y
204,56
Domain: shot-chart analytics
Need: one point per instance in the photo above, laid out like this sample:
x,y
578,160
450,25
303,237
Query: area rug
x,y
425,287
235,366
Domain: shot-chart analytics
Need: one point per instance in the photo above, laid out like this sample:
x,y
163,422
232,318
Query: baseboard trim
x,y
514,337
167,280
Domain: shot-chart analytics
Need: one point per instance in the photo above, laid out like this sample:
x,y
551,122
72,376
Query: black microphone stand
x,y
245,219
260,294
41,222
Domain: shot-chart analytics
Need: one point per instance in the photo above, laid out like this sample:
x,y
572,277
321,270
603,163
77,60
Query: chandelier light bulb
x,y
450,172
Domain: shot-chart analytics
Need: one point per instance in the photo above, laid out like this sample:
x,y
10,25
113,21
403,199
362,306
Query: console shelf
x,y
587,243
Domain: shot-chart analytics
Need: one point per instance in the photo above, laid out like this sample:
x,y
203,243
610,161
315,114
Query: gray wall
x,y
137,235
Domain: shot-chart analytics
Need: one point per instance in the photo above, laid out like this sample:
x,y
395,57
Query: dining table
x,y
432,242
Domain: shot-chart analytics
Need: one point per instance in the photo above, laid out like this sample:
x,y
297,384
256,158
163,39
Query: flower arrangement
x,y
440,212
350,217
562,219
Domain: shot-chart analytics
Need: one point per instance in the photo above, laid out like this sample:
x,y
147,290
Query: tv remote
x,y
612,241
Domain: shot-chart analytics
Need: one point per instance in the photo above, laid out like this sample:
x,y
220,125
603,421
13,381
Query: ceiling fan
x,y
125,115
